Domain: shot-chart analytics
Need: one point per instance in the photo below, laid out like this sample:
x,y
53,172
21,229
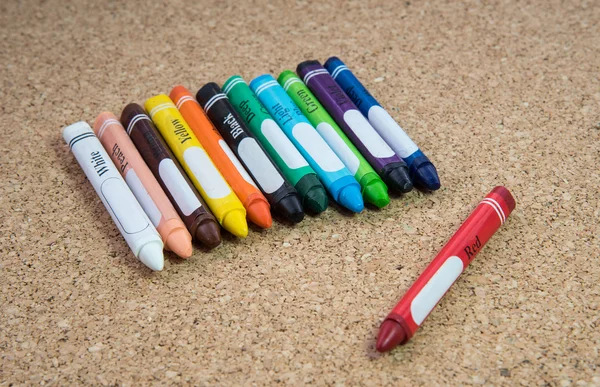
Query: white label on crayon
x,y
316,147
259,165
206,173
178,188
283,146
435,288
391,132
234,160
367,135
143,197
339,147
126,212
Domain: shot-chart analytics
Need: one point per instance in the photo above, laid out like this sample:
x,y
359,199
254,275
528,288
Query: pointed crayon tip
x,y
209,234
316,200
426,177
390,335
351,198
259,213
152,256
180,242
399,179
235,222
312,192
290,208
376,193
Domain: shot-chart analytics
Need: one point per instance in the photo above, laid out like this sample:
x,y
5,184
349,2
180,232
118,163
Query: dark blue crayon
x,y
422,171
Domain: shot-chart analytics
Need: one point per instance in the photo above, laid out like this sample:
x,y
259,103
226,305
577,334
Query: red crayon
x,y
406,317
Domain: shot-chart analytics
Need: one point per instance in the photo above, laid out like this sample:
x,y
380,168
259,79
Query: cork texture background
x,y
495,92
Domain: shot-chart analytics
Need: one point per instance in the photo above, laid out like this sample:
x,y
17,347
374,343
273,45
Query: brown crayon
x,y
195,214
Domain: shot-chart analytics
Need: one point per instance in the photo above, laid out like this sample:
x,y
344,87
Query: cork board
x,y
494,92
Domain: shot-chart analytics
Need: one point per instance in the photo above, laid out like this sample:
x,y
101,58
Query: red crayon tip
x,y
390,335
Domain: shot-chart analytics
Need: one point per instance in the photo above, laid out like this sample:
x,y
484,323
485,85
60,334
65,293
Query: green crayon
x,y
373,188
292,164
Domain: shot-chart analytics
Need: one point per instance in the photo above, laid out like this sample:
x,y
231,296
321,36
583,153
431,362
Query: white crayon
x,y
129,217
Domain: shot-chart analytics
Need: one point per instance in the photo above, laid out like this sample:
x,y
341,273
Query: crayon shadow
x,y
174,258
88,201
341,209
370,350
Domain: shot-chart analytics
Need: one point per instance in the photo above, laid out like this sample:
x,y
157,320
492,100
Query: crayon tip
x,y
151,255
235,222
209,234
351,198
290,208
390,335
259,213
426,177
179,241
316,200
375,192
398,179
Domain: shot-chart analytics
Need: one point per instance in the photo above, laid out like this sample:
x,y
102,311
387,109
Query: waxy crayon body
x,y
125,211
406,317
257,206
422,171
374,189
283,197
143,184
217,194
199,221
329,168
389,165
285,155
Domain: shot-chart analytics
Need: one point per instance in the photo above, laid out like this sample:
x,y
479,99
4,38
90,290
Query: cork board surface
x,y
495,92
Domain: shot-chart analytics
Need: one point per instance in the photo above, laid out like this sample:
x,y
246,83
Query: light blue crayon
x,y
336,178
422,171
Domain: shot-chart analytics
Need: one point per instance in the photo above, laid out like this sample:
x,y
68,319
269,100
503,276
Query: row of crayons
x,y
175,169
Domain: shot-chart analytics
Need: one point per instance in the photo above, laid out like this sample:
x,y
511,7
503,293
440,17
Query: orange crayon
x,y
143,184
257,206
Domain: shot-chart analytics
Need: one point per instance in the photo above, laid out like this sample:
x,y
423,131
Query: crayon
x,y
285,155
336,178
222,201
374,189
422,171
198,219
125,211
282,196
143,184
389,165
257,207
406,317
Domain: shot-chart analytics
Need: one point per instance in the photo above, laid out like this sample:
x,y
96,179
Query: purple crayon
x,y
392,169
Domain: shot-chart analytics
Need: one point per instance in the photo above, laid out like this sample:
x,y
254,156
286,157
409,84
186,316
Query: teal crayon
x,y
374,189
288,159
336,178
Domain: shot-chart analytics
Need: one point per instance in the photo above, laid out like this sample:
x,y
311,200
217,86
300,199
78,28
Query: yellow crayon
x,y
223,202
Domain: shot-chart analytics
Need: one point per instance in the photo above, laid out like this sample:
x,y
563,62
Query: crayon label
x,y
367,135
338,145
181,191
234,160
259,165
123,207
206,173
283,146
318,149
435,288
143,197
389,129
